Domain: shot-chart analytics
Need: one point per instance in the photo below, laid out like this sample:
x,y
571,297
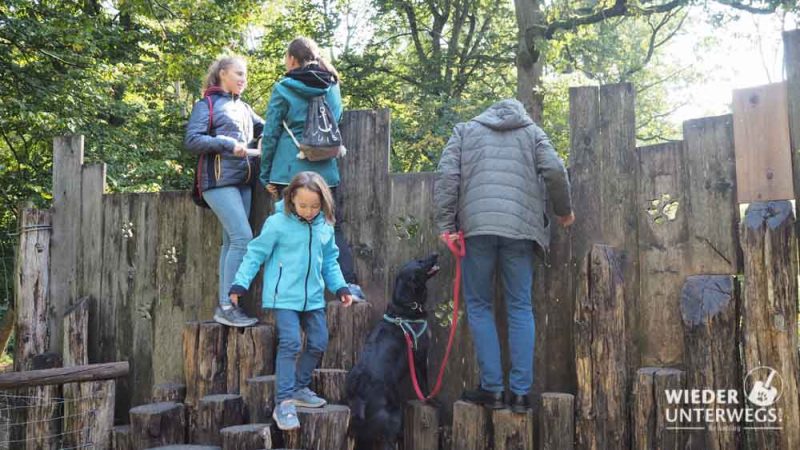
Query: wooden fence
x,y
649,220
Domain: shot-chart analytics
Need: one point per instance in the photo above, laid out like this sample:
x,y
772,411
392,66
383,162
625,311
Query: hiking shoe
x,y
285,416
491,400
233,317
307,398
356,292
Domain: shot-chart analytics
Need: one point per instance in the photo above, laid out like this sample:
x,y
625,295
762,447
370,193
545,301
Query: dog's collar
x,y
407,327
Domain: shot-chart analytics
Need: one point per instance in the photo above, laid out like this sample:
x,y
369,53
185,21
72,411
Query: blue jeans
x,y
231,204
292,373
515,258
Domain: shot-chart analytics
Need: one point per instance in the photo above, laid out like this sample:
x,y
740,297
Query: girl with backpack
x,y
308,77
219,131
299,253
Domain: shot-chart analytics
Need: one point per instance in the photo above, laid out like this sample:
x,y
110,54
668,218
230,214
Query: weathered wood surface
x,y
769,317
169,392
347,331
330,385
260,398
251,353
93,185
88,414
710,308
31,287
205,354
762,144
90,372
246,437
320,428
471,426
512,431
791,58
650,428
42,408
215,412
121,438
557,421
158,424
420,426
601,360
663,251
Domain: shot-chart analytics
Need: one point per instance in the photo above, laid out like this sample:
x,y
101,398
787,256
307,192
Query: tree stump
x,y
709,308
470,426
420,426
121,438
512,431
320,428
347,331
330,385
205,352
157,424
260,398
215,412
769,323
251,353
557,421
169,392
601,361
650,427
88,414
246,437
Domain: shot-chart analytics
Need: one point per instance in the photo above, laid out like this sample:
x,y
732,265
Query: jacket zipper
x,y
275,295
308,271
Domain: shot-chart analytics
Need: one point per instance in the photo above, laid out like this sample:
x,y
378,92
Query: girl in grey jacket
x,y
220,128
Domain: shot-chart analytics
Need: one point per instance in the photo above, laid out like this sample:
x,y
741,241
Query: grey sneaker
x,y
307,398
356,292
285,416
233,317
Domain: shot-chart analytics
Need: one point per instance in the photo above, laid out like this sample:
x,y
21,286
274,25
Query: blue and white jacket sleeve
x,y
258,251
331,272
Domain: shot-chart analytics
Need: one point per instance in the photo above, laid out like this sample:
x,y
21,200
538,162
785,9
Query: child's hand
x,y
346,300
273,190
234,299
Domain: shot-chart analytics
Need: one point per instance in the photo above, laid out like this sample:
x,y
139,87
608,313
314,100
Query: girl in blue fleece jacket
x,y
297,247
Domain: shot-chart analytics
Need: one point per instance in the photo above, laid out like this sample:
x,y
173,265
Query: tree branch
x,y
620,8
751,9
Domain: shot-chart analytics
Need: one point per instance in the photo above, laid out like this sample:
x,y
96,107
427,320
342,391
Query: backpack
x,y
197,193
321,136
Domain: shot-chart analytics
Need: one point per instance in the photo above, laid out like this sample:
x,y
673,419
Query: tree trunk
x,y
121,438
470,426
420,426
324,427
246,437
530,59
557,422
260,398
169,392
157,424
512,431
330,385
215,412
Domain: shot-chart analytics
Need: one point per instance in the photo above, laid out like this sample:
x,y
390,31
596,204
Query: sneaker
x,y
491,400
285,416
356,292
307,398
233,317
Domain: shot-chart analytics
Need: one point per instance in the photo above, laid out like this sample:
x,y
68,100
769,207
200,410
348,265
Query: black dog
x,y
374,382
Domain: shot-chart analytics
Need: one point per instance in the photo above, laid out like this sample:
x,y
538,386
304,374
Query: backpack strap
x,y
286,127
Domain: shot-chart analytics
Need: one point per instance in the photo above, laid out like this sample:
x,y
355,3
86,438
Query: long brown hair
x,y
220,64
314,183
305,51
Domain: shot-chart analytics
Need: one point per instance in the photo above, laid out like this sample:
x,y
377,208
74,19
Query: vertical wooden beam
x,y
420,426
791,58
93,181
557,422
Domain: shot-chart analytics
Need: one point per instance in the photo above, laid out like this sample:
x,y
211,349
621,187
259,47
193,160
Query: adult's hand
x,y
240,150
566,221
273,190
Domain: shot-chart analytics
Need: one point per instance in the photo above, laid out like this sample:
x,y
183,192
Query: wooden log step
x,y
186,447
649,410
320,428
420,426
121,438
169,392
512,431
348,329
557,421
215,412
157,424
259,397
247,437
251,353
330,385
470,426
204,364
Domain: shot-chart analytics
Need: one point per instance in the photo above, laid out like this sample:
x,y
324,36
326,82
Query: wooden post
x,y
347,329
260,398
251,353
601,410
93,186
791,57
43,377
330,384
420,426
470,426
205,351
651,429
710,308
44,408
246,437
157,424
31,287
512,431
769,319
121,438
215,412
324,427
557,422
169,392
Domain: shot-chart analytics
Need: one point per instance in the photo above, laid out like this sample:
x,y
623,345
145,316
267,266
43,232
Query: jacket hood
x,y
309,81
505,115
279,208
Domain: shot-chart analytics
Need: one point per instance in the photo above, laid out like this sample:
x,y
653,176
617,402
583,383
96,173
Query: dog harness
x,y
407,327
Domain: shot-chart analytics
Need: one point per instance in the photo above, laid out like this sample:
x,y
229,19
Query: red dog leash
x,y
458,249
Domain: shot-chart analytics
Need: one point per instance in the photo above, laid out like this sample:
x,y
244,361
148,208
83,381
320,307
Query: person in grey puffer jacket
x,y
225,172
494,178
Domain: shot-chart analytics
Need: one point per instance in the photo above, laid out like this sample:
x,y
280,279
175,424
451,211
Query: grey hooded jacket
x,y
234,122
495,175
